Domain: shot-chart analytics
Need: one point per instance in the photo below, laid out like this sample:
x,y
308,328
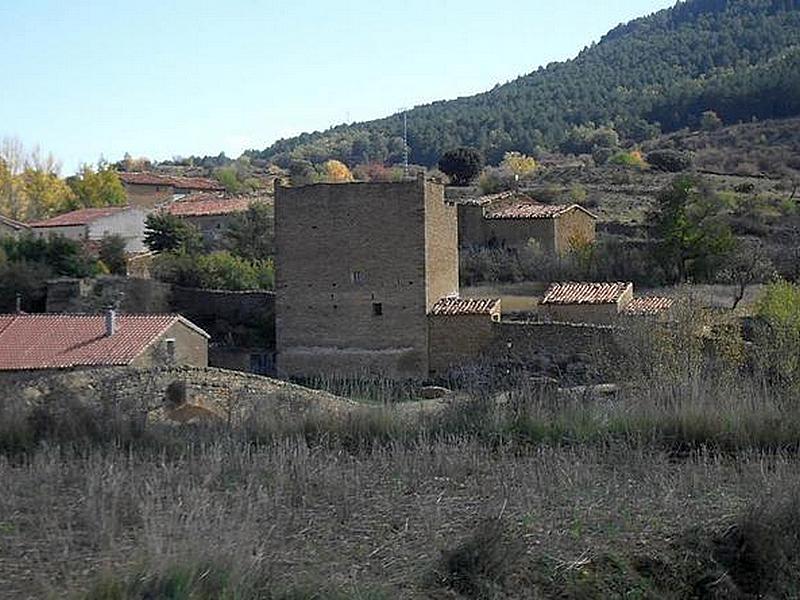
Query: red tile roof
x,y
648,306
199,205
83,216
189,183
466,306
528,210
12,223
585,292
56,341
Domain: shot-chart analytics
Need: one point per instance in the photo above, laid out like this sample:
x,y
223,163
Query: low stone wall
x,y
564,350
572,352
230,394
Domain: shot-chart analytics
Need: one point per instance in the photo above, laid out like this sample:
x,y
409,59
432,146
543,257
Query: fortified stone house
x,y
511,219
359,269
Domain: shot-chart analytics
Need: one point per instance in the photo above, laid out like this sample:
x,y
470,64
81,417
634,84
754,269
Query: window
x,y
169,344
358,277
377,309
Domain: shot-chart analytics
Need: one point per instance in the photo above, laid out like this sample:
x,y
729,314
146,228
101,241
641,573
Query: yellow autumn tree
x,y
519,164
45,193
335,171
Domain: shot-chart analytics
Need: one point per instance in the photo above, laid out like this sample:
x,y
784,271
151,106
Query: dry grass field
x,y
682,485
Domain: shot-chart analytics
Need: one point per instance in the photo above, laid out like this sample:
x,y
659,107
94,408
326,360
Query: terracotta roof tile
x,y
198,205
585,292
529,210
51,341
13,224
190,183
466,306
83,216
648,306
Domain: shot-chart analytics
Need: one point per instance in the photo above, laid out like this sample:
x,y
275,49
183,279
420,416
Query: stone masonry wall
x,y
458,340
558,349
351,281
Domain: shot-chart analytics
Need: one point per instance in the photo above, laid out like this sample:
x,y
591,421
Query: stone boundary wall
x,y
560,349
228,393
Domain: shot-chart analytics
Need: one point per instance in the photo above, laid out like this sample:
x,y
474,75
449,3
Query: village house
x,y
359,269
210,213
93,224
146,190
39,342
11,228
598,302
511,220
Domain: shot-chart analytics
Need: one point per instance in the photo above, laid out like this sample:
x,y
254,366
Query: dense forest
x,y
660,73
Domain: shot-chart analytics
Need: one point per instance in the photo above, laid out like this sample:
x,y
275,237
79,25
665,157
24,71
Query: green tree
x,y
228,178
692,225
250,234
112,254
97,187
167,233
710,121
462,165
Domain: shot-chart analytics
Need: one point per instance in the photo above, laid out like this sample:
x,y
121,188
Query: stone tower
x,y
358,268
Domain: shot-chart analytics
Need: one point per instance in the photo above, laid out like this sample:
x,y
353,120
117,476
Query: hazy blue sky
x,y
158,78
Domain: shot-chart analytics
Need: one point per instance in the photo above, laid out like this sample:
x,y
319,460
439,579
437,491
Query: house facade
x,y
147,190
41,342
94,224
511,220
210,213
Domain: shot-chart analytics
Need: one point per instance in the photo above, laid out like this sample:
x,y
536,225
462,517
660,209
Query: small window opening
x,y
170,348
377,309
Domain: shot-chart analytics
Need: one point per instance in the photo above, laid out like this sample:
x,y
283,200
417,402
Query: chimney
x,y
19,303
111,322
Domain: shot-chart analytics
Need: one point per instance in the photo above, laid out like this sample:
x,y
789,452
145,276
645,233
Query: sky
x,y
91,78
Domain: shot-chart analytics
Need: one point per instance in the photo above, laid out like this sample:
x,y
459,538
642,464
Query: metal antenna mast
x,y
405,140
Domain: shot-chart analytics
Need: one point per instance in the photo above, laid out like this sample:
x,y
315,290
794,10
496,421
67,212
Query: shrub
x,y
671,161
167,233
478,566
628,159
112,254
218,270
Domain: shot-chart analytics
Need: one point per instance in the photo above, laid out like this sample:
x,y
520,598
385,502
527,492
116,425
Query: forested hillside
x,y
738,58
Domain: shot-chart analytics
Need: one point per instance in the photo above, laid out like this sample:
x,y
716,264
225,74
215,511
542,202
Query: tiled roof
x,y
198,205
490,198
465,306
83,216
585,292
648,306
529,210
189,183
12,223
51,341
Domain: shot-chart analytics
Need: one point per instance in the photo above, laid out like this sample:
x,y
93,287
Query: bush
x,y
671,161
478,567
112,254
218,270
628,159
